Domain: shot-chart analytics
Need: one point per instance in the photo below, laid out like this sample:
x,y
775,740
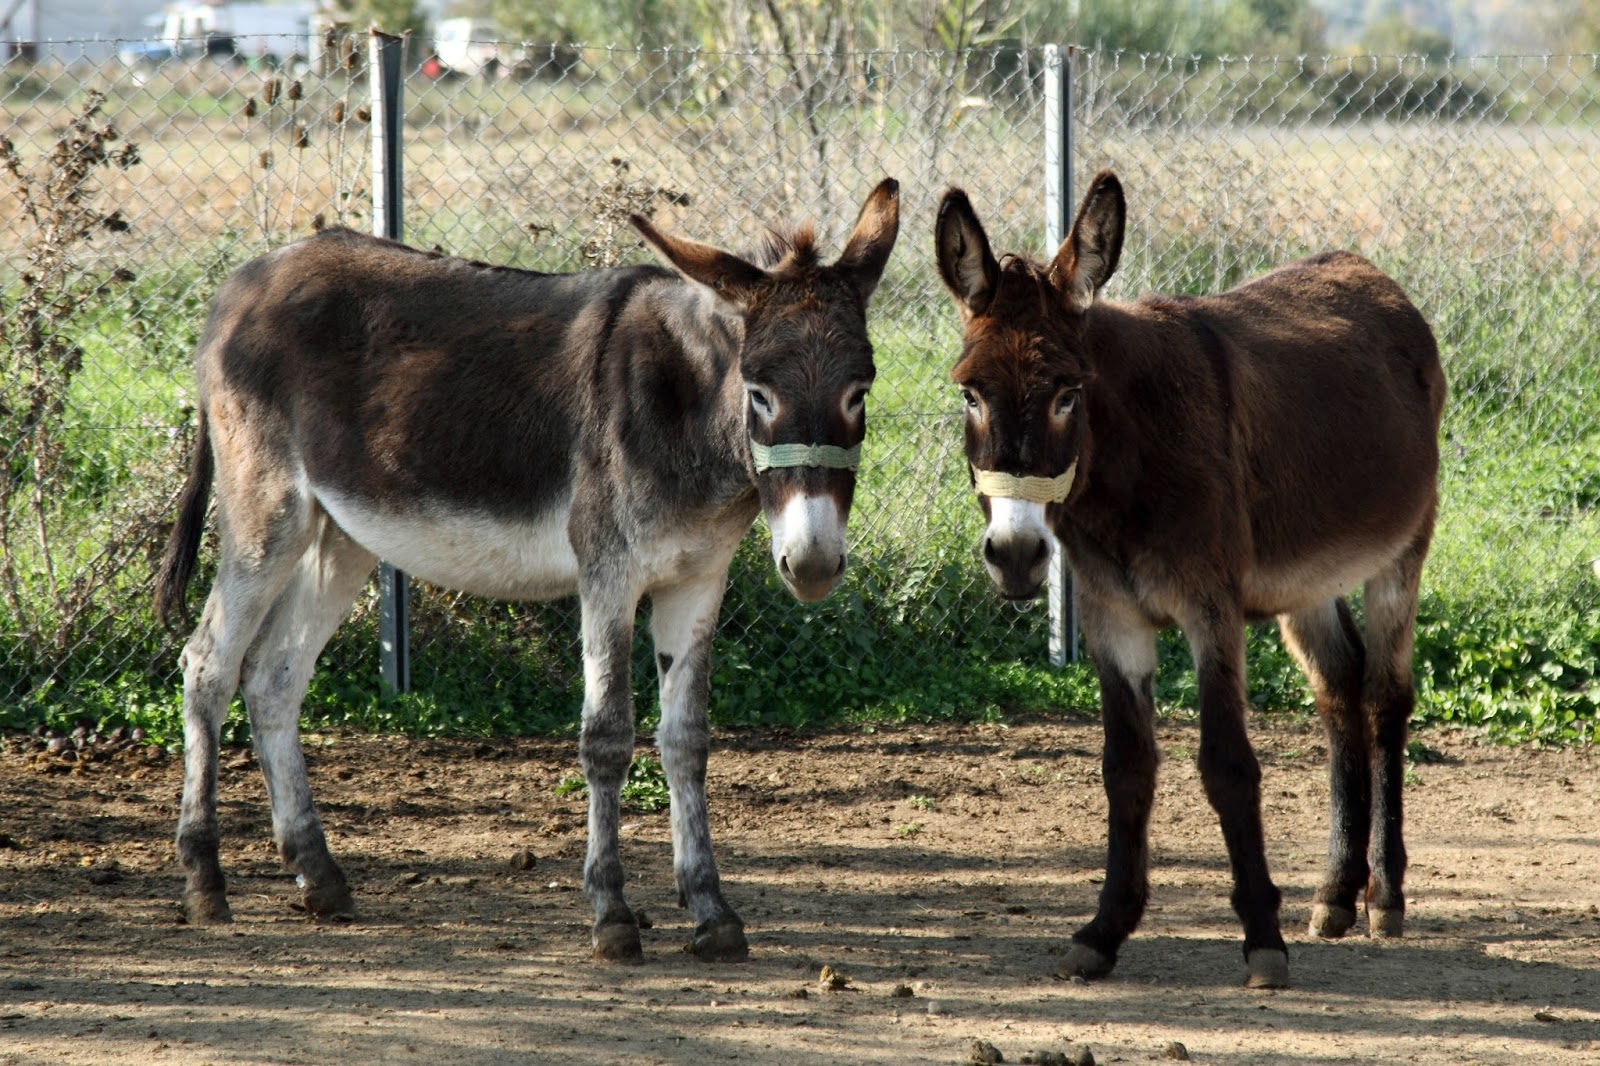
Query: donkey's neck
x,y
675,400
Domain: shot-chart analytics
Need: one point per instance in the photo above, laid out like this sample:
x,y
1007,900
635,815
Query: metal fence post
x,y
387,59
1057,220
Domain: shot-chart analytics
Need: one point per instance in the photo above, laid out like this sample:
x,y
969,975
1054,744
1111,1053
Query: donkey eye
x,y
969,399
856,401
760,399
1064,403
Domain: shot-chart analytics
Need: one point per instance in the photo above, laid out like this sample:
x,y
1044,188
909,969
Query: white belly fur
x,y
1312,581
467,550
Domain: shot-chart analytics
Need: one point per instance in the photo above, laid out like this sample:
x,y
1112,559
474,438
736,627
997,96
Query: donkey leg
x,y
1123,648
1232,779
277,670
1326,643
682,620
1389,698
605,749
244,590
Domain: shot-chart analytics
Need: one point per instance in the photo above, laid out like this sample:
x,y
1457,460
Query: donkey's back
x,y
346,333
1306,403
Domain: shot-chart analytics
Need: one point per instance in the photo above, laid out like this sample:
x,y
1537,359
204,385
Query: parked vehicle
x,y
270,32
468,46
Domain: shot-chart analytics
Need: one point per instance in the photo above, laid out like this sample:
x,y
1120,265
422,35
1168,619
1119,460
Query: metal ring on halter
x,y
1033,489
778,456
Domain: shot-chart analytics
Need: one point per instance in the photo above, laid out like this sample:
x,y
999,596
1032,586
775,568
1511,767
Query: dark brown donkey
x,y
1207,462
611,433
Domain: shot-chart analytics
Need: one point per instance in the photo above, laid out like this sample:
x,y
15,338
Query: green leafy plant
x,y
644,789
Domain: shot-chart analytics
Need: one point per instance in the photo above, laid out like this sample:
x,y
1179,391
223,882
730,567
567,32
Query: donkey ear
x,y
731,278
1088,257
867,252
966,264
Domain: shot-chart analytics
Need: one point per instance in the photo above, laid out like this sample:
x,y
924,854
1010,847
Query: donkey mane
x,y
345,233
792,246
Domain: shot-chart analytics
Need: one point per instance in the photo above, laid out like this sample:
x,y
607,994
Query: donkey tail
x,y
183,545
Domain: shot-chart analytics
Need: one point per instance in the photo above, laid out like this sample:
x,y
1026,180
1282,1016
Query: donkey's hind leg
x,y
1388,700
1327,645
277,670
259,551
682,620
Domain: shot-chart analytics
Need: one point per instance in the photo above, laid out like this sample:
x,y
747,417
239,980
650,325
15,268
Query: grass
x,y
1508,639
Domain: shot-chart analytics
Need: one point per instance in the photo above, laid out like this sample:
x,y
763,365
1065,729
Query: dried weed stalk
x,y
611,204
281,117
39,358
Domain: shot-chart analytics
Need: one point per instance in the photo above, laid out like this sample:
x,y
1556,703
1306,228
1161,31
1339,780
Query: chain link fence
x,y
1473,182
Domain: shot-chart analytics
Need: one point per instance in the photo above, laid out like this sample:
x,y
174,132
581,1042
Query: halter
x,y
1032,489
778,456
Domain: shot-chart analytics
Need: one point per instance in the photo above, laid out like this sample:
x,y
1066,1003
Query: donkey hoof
x,y
1266,968
1331,921
1385,921
618,942
329,901
1084,961
206,908
720,940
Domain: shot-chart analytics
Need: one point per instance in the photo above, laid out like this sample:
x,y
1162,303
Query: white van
x,y
468,45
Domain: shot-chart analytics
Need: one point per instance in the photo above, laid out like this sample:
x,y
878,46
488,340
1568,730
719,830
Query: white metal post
x,y
1057,219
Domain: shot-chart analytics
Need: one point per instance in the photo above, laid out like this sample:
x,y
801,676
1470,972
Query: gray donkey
x,y
524,436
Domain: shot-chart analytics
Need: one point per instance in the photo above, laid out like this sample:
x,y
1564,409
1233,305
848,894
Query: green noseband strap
x,y
1032,489
777,456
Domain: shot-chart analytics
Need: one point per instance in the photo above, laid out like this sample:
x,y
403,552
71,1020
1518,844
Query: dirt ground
x,y
938,869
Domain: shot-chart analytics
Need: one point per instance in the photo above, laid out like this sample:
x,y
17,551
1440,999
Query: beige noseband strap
x,y
780,456
1033,489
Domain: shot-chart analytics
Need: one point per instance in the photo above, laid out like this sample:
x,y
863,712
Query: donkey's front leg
x,y
1232,779
683,619
1123,648
605,749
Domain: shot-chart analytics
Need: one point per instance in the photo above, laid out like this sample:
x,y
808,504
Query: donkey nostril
x,y
1042,554
840,568
783,568
989,554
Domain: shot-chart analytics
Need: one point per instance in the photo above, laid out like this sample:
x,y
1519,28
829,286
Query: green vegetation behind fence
x,y
1473,183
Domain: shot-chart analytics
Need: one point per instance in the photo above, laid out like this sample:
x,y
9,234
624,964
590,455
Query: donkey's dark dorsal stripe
x,y
1205,461
522,436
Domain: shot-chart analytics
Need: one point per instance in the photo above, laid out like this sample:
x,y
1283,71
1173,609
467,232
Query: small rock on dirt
x,y
1175,1050
901,992
1045,1058
104,874
1082,1057
832,980
985,1052
937,1007
800,993
523,859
